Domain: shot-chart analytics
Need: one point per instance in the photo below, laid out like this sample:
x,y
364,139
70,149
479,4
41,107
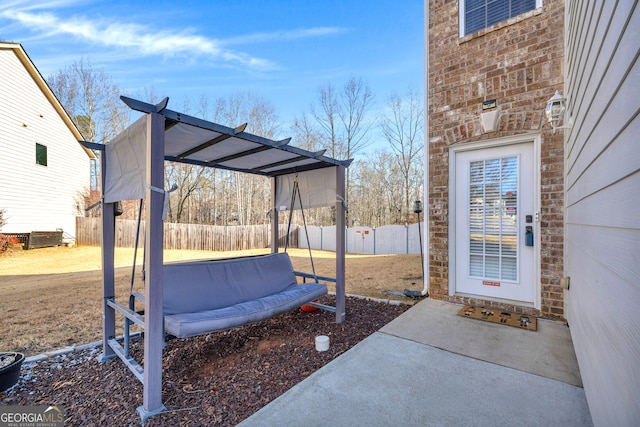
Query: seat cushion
x,y
207,285
184,325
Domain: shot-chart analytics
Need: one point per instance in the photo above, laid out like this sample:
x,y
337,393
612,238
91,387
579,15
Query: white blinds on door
x,y
493,218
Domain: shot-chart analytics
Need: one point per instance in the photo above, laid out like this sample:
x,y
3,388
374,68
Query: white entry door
x,y
495,223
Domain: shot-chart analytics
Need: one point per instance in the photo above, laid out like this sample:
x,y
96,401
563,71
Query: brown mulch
x,y
217,379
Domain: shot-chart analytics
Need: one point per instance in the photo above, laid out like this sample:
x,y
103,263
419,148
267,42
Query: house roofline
x,y
46,90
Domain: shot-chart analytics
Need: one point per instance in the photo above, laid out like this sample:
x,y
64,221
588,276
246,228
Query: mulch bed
x,y
216,379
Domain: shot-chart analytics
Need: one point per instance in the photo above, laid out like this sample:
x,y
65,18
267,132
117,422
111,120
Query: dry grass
x,y
51,297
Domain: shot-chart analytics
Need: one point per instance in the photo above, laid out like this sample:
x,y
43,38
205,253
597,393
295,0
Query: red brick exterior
x,y
519,63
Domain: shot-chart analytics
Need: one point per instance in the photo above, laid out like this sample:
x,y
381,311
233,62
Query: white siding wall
x,y
603,204
36,197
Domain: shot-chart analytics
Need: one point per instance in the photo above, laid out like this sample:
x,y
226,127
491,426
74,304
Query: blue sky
x,y
280,50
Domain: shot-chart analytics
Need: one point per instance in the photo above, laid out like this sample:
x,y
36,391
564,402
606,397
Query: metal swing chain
x,y
306,232
135,250
296,191
291,207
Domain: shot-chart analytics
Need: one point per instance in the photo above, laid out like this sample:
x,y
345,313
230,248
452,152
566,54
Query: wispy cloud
x,y
284,35
136,38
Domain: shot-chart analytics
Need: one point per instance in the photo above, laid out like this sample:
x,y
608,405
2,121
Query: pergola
x,y
133,168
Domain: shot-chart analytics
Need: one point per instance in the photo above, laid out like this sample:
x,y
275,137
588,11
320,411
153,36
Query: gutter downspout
x,y
425,150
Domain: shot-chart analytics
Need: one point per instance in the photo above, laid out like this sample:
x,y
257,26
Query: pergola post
x,y
340,243
108,280
274,217
153,319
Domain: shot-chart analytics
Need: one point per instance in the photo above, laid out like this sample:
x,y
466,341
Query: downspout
x,y
425,151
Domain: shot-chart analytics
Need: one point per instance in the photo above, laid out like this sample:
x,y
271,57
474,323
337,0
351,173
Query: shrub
x,y
7,242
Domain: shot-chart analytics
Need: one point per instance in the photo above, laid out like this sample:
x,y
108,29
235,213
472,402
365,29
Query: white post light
x,y
556,108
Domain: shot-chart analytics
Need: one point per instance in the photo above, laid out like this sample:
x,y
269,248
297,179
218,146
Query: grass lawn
x,y
52,297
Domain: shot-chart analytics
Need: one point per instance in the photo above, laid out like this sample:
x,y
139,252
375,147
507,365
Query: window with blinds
x,y
493,219
479,14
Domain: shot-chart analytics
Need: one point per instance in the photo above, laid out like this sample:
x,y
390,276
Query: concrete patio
x,y
430,367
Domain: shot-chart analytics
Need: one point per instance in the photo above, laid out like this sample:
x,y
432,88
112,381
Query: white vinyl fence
x,y
388,239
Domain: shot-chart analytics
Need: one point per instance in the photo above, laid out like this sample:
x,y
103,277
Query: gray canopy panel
x,y
200,142
195,141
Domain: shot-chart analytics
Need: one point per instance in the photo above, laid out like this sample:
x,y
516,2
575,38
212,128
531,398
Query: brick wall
x,y
520,64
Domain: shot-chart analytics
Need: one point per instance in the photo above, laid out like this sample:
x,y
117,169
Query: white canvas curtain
x,y
317,189
126,164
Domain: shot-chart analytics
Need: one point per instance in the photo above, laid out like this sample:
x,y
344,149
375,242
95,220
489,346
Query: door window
x,y
493,219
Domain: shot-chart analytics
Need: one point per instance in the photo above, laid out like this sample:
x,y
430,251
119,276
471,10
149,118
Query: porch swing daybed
x,y
194,298
206,296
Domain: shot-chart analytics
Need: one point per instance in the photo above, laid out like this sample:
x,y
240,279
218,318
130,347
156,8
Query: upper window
x,y
41,154
478,14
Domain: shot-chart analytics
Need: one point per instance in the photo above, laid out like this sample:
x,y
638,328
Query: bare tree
x,y
376,191
342,121
402,126
305,134
342,117
188,179
327,118
356,100
92,100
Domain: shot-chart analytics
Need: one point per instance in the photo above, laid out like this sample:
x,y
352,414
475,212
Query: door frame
x,y
536,139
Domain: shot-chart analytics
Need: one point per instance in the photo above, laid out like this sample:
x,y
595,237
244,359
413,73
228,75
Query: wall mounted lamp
x,y
555,111
489,116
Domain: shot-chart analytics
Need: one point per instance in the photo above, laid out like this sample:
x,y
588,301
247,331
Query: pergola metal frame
x,y
159,121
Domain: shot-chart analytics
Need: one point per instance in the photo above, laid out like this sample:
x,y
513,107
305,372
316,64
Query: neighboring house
x,y
516,210
43,168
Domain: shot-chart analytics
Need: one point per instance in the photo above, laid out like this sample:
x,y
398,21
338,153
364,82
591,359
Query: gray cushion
x,y
191,324
208,296
207,285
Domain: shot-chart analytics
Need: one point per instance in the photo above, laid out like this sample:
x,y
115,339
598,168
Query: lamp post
x,y
417,208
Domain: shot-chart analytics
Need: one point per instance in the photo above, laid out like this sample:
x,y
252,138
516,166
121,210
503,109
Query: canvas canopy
x,y
194,141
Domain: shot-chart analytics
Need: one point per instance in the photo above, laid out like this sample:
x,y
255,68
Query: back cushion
x,y
207,285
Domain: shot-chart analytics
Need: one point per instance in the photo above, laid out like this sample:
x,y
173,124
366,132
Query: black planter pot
x,y
10,364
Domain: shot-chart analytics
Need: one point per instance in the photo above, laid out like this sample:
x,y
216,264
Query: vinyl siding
x,y
36,197
602,241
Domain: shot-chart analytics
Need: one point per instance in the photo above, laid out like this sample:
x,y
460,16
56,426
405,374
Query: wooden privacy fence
x,y
187,236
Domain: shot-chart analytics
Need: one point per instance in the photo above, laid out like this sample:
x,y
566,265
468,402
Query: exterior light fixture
x,y
489,116
556,109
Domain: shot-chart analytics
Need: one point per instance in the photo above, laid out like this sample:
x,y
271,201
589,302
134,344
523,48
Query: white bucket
x,y
322,343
